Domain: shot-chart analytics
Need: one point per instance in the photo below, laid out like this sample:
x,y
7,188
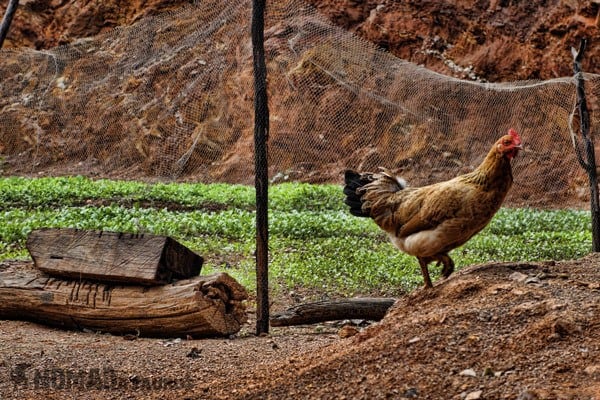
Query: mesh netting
x,y
170,98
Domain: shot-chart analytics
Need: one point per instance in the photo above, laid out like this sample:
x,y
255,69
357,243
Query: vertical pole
x,y
261,135
589,164
11,8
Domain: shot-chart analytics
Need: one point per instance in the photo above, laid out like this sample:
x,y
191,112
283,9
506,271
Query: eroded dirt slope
x,y
493,40
495,331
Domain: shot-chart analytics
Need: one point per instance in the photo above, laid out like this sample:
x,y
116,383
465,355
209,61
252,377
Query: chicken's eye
x,y
506,142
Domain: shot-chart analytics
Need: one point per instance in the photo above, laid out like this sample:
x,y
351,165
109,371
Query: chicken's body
x,y
427,222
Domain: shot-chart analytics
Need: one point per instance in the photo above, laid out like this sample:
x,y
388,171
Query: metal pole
x,y
589,164
261,181
7,20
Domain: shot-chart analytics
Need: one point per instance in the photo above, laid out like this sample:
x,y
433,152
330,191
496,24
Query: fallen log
x,y
112,257
203,306
367,308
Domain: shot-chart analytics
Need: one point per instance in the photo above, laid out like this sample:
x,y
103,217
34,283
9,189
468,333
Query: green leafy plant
x,y
314,242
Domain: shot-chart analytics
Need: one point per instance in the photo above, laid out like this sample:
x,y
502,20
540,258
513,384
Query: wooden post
x,y
589,161
261,135
7,20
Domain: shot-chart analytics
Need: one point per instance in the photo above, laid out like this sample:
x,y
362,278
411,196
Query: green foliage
x,y
314,241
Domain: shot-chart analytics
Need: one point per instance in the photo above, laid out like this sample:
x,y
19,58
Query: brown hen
x,y
427,222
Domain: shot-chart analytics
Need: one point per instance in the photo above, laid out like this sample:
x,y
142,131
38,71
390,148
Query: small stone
x,y
468,372
594,285
592,369
532,280
194,353
518,276
414,340
527,395
347,331
169,343
411,393
273,344
474,395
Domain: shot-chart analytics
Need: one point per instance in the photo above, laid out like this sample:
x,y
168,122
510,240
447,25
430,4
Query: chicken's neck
x,y
494,173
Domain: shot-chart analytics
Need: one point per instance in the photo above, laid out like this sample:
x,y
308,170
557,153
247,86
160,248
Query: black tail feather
x,y
353,182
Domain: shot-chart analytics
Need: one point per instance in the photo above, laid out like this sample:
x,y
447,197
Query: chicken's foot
x,y
448,265
423,261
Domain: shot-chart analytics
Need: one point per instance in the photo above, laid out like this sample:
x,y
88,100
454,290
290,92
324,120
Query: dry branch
x,y
358,308
202,306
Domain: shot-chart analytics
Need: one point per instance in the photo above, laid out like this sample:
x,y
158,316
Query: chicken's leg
x,y
423,261
448,265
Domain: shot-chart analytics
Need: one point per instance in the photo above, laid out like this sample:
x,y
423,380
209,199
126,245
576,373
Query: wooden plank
x,y
112,256
199,307
356,308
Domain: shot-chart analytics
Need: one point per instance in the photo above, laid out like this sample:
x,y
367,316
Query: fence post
x,y
589,161
261,135
11,8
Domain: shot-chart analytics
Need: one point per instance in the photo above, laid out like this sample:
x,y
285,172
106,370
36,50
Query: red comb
x,y
515,135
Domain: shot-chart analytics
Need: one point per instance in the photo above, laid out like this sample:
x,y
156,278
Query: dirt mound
x,y
493,331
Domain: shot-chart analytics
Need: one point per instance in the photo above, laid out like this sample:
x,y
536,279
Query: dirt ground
x,y
493,331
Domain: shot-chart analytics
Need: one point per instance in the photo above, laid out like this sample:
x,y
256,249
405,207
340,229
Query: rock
x,y
518,276
594,285
527,395
468,372
533,280
194,353
414,340
474,395
592,369
347,331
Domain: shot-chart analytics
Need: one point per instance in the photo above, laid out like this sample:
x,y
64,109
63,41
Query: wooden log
x,y
203,306
112,257
367,308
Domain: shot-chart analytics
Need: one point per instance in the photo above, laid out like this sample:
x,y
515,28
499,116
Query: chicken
x,y
428,222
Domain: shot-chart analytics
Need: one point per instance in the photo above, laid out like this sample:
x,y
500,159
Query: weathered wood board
x,y
111,256
199,307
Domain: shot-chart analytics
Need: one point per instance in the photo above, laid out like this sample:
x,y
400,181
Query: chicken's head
x,y
509,145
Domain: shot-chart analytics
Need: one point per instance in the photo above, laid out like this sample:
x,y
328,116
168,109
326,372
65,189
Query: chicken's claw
x,y
448,265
